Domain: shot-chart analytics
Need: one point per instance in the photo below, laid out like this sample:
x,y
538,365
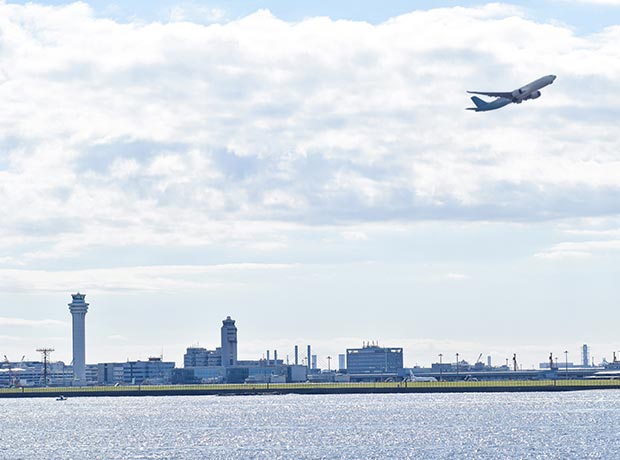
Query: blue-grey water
x,y
576,425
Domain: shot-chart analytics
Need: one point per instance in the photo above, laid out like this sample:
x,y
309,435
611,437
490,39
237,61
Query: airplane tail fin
x,y
479,102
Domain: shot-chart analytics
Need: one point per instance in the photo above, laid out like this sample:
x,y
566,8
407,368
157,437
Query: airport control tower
x,y
78,309
229,342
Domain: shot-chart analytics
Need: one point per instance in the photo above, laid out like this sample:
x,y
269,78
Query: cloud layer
x,y
21,322
190,135
319,175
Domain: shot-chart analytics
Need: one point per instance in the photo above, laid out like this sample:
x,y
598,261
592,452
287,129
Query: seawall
x,y
313,388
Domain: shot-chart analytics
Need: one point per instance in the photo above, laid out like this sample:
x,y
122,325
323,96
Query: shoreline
x,y
312,388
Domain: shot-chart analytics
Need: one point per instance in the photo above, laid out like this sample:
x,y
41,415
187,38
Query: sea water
x,y
573,425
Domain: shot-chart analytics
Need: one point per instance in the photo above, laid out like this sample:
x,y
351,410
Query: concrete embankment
x,y
314,388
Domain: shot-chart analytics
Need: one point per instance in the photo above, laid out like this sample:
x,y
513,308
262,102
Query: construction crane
x,y
479,365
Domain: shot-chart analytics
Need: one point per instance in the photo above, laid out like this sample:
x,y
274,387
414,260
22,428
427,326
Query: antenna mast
x,y
45,354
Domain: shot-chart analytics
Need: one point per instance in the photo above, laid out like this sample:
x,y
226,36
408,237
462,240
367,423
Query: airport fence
x,y
335,387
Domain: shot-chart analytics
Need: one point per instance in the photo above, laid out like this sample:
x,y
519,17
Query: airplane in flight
x,y
529,91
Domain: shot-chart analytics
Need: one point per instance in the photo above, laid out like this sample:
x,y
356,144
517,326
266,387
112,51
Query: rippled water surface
x,y
576,425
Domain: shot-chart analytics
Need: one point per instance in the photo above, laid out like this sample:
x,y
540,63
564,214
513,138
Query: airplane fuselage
x,y
529,91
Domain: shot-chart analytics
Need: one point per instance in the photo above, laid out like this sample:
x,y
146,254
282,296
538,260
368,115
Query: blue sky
x,y
308,168
584,16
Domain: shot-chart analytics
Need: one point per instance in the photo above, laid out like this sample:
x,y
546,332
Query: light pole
x,y
566,361
440,365
457,366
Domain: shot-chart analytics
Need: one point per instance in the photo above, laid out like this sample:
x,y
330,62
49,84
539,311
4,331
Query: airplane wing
x,y
504,95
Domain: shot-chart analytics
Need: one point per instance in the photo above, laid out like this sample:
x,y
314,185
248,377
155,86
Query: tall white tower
x,y
78,309
229,342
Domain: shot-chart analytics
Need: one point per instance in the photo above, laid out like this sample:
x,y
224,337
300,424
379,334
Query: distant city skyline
x,y
417,347
308,169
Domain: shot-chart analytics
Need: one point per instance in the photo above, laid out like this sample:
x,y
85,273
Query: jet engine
x,y
516,95
535,95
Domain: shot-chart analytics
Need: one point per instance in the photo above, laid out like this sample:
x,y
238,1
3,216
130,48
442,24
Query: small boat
x,y
61,398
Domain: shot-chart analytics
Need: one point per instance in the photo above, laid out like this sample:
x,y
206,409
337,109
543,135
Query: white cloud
x,y
196,13
594,2
118,279
11,338
579,249
456,276
129,151
559,254
236,134
21,322
123,168
354,235
117,338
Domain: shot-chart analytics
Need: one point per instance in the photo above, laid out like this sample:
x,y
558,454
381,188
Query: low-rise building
x,y
202,357
36,373
153,371
373,359
110,373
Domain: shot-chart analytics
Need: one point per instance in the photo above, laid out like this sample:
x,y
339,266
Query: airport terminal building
x,y
373,359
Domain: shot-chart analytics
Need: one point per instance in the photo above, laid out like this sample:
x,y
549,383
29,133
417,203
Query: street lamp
x,y
457,365
566,361
440,365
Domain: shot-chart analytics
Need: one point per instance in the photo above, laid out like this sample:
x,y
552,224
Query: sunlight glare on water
x,y
576,425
